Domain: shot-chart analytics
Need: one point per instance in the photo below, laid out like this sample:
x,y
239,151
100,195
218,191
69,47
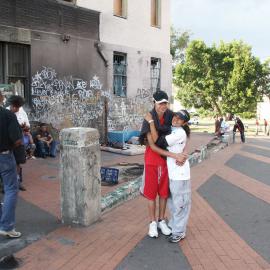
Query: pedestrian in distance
x,y
155,180
257,126
10,139
179,176
240,127
265,126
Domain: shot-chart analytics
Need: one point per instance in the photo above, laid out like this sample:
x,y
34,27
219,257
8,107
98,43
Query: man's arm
x,y
153,130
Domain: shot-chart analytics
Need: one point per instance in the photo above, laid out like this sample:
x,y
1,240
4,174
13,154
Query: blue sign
x,y
109,175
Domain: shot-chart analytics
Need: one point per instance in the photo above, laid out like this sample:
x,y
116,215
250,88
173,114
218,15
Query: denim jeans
x,y
8,174
43,150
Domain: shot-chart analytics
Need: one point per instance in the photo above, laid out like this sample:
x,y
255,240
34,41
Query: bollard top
x,y
79,137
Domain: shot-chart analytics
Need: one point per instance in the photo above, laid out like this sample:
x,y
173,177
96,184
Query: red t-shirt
x,y
151,157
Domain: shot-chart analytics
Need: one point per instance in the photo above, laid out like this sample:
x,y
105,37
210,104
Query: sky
x,y
215,20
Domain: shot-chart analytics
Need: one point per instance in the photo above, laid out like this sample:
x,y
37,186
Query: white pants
x,y
179,204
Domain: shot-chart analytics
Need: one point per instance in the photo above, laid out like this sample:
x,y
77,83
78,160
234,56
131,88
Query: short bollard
x,y
80,176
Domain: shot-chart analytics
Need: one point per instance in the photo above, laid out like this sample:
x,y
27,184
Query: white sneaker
x,y
153,232
11,234
164,227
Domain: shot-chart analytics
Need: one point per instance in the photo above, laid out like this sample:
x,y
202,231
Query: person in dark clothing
x,y
217,126
46,146
239,126
10,138
16,102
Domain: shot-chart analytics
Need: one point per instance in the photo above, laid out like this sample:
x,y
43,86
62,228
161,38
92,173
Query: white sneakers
x,y
153,232
11,234
161,225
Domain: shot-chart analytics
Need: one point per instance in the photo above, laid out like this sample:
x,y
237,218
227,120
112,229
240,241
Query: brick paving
x,y
210,242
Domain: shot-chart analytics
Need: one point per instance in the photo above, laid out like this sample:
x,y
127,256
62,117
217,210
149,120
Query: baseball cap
x,y
160,97
183,114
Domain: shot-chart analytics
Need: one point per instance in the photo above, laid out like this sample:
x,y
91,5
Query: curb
x,y
132,189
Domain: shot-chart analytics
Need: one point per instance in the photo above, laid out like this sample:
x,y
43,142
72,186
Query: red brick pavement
x,y
210,242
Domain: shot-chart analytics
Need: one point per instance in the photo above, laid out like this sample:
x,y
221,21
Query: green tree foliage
x,y
221,79
179,42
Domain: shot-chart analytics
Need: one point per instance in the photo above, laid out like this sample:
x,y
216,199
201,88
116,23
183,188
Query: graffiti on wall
x,y
82,103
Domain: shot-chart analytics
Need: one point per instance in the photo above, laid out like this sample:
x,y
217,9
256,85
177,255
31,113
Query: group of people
x,y
16,145
266,126
166,170
222,127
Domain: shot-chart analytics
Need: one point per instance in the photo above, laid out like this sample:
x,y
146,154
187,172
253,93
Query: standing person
x,y
155,180
16,103
217,126
265,126
179,176
257,126
240,126
10,138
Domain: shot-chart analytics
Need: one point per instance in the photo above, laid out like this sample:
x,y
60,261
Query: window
x,y
155,74
120,8
120,74
15,67
155,13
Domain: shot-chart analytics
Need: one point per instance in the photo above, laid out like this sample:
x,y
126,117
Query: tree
x,y
220,79
179,42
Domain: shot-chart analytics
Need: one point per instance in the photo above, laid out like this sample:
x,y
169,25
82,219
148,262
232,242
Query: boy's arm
x,y
153,129
179,157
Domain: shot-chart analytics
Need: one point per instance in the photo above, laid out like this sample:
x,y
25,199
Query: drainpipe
x,y
99,48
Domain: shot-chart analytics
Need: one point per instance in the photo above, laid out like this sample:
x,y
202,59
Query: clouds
x,y
213,20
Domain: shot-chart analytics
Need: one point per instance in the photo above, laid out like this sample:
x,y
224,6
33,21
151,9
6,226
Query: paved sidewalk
x,y
216,237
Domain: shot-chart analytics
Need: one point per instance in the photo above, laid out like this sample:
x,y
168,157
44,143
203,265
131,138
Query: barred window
x,y
155,73
15,67
120,74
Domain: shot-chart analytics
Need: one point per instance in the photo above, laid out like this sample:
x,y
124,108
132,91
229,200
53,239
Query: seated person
x,y
46,146
28,142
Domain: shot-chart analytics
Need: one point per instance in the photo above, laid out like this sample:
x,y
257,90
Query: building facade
x,y
135,40
86,63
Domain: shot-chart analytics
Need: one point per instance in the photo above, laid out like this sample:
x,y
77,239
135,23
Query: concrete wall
x,y
263,109
138,39
135,31
70,82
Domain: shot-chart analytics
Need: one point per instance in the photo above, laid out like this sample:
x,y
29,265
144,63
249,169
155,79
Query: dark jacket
x,y
162,130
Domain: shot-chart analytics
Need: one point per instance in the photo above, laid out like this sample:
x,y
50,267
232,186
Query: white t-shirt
x,y
177,141
22,117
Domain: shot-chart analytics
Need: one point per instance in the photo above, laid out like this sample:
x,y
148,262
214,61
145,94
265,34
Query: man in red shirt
x,y
155,178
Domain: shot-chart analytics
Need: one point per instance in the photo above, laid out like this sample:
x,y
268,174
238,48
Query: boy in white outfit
x,y
179,176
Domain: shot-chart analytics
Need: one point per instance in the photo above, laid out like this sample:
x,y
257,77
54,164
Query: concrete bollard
x,y
80,176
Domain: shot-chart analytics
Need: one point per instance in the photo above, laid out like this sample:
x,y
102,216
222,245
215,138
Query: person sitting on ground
x,y
224,126
45,144
28,142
